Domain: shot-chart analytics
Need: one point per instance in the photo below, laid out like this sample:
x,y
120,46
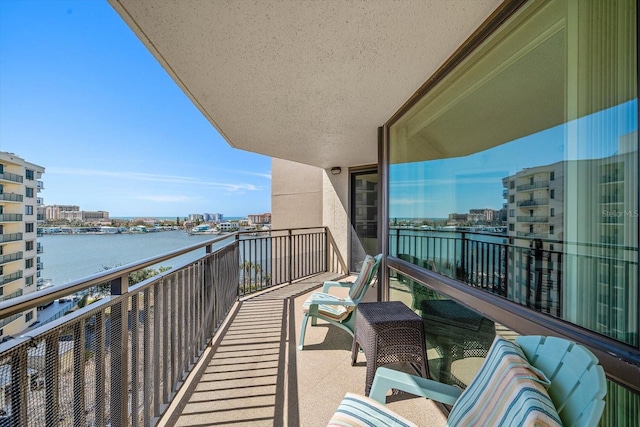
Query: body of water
x,y
74,256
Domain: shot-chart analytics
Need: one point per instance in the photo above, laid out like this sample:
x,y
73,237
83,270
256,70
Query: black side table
x,y
389,332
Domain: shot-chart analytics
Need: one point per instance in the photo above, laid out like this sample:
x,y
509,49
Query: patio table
x,y
389,332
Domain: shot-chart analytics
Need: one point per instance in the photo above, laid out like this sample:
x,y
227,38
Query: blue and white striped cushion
x,y
364,279
507,391
356,410
335,312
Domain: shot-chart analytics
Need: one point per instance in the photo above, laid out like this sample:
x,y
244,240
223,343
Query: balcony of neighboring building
x,y
533,202
11,197
11,177
533,218
10,217
11,237
533,186
10,277
10,257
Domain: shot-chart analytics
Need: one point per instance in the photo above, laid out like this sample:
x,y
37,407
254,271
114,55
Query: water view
x,y
74,256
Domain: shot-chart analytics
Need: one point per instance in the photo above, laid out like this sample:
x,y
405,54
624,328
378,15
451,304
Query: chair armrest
x,y
329,284
318,299
386,379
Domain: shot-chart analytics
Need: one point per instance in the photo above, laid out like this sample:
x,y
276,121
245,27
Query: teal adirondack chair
x,y
340,312
536,381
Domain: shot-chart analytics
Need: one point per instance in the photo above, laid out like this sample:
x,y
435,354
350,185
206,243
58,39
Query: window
x,y
28,210
552,92
29,281
364,216
29,192
28,245
29,316
28,227
512,198
28,263
29,174
512,213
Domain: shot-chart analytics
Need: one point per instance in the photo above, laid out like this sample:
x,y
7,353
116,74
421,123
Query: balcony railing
x,y
533,218
535,202
11,197
532,235
121,360
10,217
8,278
11,295
10,257
538,184
11,237
531,275
7,176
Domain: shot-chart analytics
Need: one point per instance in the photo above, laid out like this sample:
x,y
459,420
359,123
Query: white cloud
x,y
168,199
166,179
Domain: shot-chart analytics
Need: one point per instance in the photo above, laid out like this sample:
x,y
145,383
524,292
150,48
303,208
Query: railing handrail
x,y
34,299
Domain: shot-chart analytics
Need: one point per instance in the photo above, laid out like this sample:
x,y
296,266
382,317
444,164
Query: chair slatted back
x,y
367,273
578,383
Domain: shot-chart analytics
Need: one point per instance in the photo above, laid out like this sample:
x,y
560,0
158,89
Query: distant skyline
x,y
81,96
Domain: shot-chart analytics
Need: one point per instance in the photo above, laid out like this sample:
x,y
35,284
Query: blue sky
x,y
437,188
81,96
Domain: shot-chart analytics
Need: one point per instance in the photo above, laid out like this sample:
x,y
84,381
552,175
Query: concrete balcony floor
x,y
254,375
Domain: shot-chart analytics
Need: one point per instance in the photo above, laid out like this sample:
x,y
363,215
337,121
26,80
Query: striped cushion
x,y
507,391
356,410
335,312
364,278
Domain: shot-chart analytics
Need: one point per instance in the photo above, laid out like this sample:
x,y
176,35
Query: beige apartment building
x,y
19,262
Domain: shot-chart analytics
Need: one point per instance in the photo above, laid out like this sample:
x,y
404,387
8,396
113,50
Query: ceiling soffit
x,y
303,81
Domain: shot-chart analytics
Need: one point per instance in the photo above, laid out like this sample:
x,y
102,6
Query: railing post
x,y
290,252
119,353
18,387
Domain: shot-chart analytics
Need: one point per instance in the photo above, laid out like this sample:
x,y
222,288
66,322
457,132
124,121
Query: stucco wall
x,y
307,196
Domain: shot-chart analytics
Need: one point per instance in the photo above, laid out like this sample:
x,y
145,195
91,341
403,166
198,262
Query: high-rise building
x,y
19,261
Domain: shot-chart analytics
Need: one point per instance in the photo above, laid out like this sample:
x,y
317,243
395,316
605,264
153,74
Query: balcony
x,y
535,202
10,257
7,176
11,197
533,219
11,237
10,217
533,186
245,299
532,235
8,278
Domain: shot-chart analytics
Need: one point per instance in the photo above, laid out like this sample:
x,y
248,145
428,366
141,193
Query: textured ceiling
x,y
308,81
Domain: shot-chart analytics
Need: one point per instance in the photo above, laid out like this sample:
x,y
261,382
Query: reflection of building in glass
x,y
535,197
475,216
574,252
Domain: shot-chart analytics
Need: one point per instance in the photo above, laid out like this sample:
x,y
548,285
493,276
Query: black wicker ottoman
x,y
455,332
389,332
